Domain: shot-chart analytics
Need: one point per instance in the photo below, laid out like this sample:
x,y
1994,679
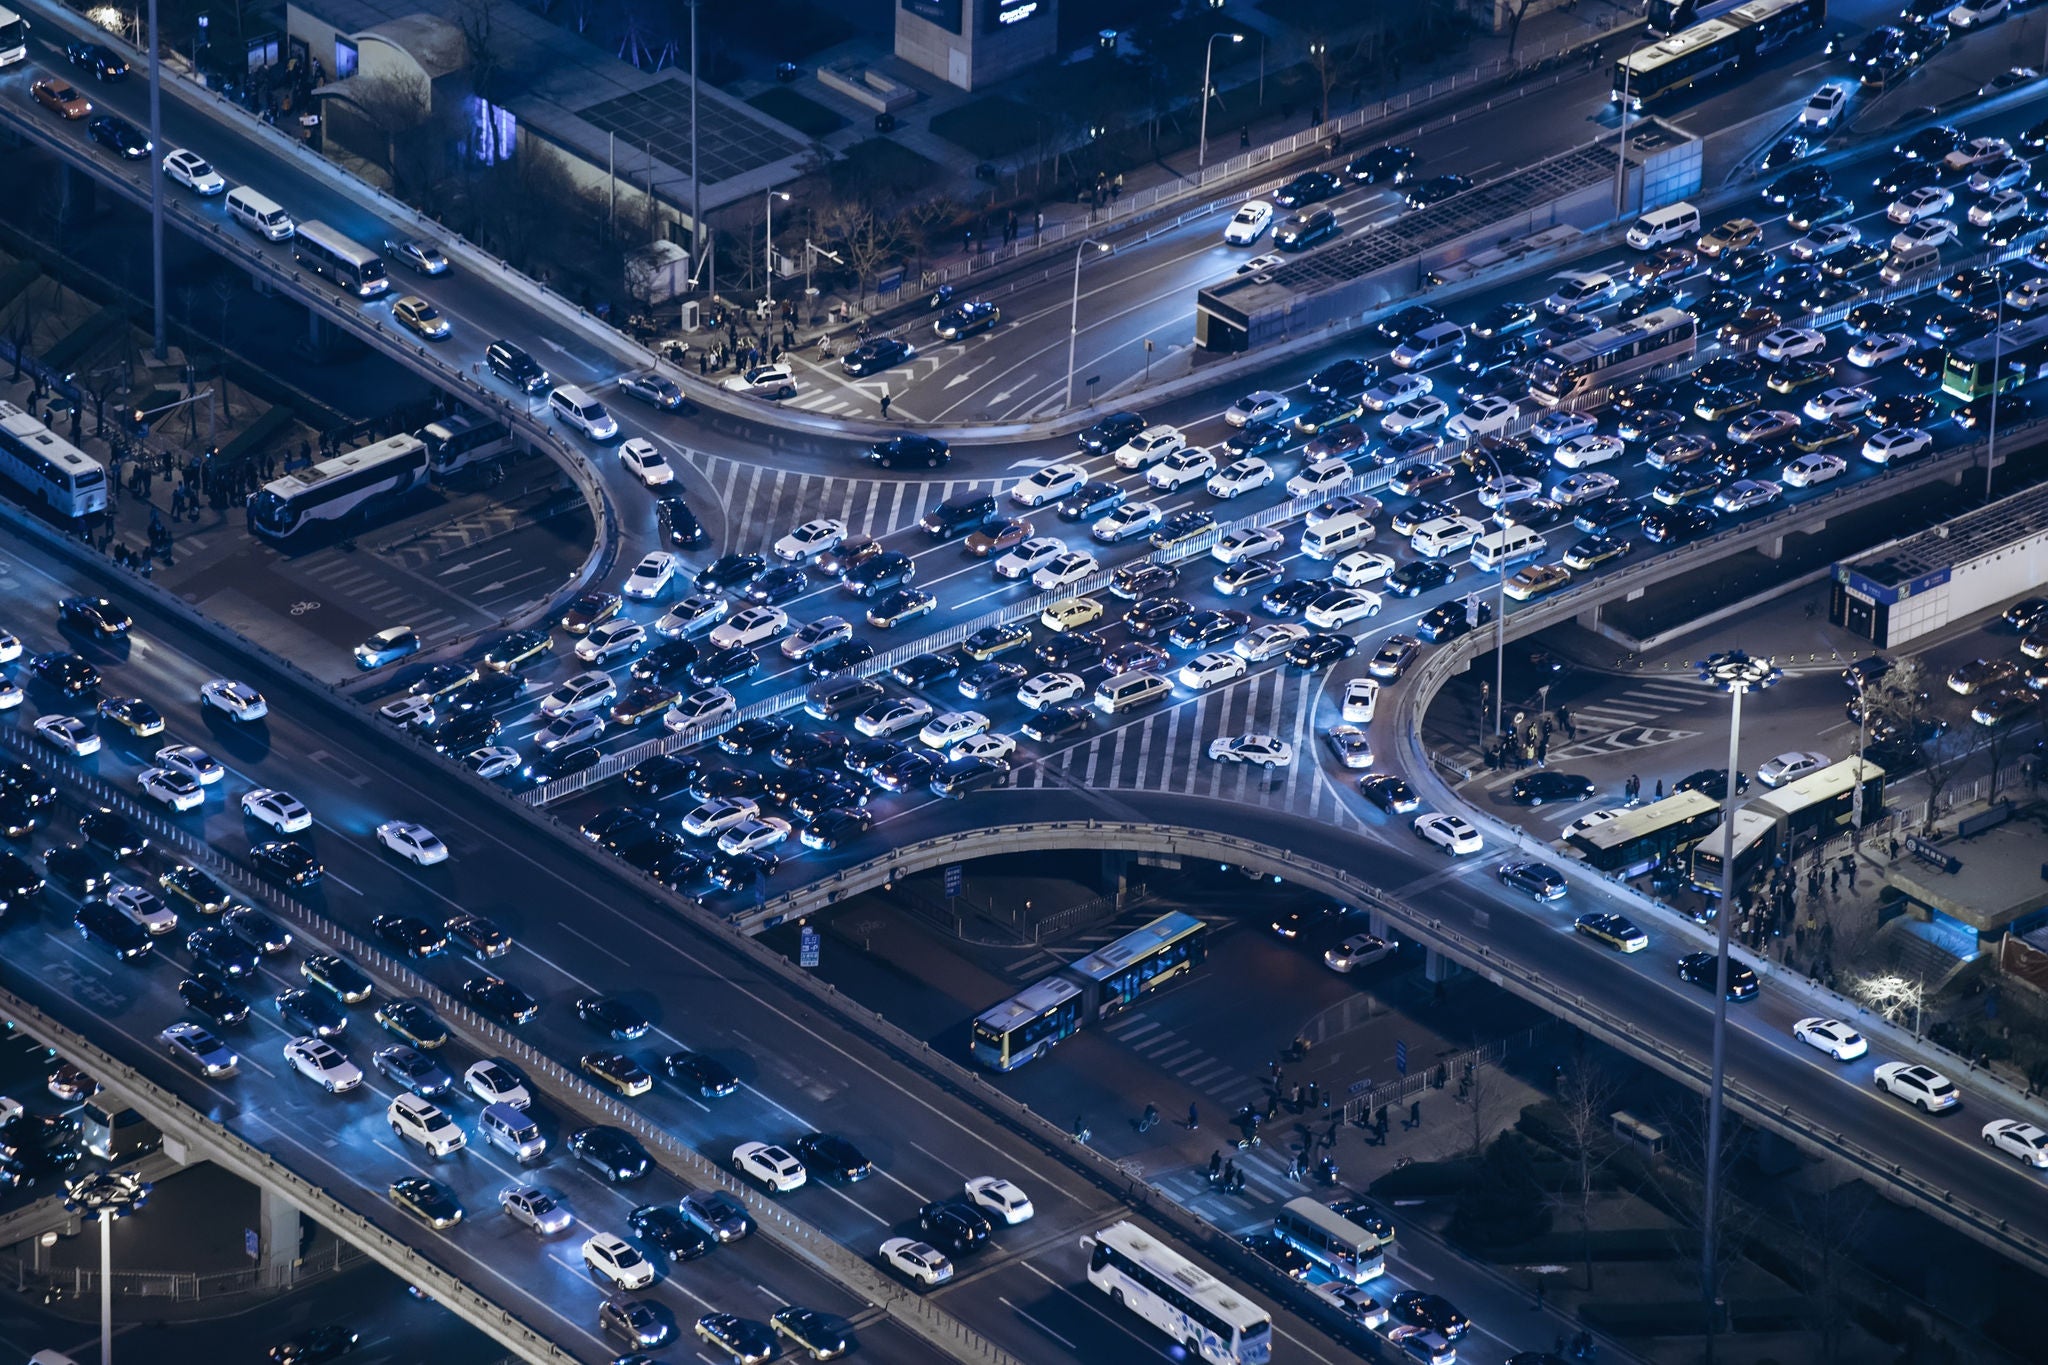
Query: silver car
x,y
541,1210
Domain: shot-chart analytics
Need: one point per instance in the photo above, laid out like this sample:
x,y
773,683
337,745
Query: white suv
x,y
1451,833
1150,446
423,1122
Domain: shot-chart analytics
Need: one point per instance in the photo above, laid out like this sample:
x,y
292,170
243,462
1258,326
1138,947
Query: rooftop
x,y
1999,880
1969,537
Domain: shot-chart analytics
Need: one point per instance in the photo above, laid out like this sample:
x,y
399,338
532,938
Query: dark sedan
x,y
1206,629
876,354
909,452
1310,187
832,1157
731,571
120,136
1700,969
1112,431
704,1076
1092,500
1533,789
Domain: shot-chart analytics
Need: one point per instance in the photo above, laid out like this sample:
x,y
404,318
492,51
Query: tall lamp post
x,y
106,1196
1734,673
160,338
1500,603
768,249
1208,62
1997,382
1621,157
1074,314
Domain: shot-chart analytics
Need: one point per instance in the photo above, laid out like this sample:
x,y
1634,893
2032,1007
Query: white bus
x,y
465,439
337,488
1582,373
1335,1243
13,37
49,468
351,265
1212,1320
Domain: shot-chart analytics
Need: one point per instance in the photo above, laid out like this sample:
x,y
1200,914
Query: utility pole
x,y
161,338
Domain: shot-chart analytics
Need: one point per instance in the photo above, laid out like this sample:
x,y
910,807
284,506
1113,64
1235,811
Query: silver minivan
x,y
512,1131
577,408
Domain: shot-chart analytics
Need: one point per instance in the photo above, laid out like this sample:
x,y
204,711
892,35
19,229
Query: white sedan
x,y
1451,833
1182,467
640,456
810,540
1923,202
1832,1036
1269,641
1361,567
754,626
1049,484
1267,751
1880,348
282,811
1833,404
999,1198
1320,479
1241,476
917,1261
1415,415
1051,689
571,730
1336,610
1209,670
235,700
716,816
752,836
1397,389
1262,405
1791,343
492,761
10,647
1360,950
143,906
495,1083
1483,416
2024,1142
1508,488
73,734
413,842
1031,556
1063,571
1583,488
890,716
1826,240
771,1165
190,170
996,748
1926,232
173,788
1131,519
1559,426
191,760
1246,543
1896,444
324,1064
1249,223
1361,699
651,576
949,728
1809,471
813,636
1582,452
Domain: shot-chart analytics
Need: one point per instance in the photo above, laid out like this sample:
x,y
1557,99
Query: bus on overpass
x,y
1648,837
1785,823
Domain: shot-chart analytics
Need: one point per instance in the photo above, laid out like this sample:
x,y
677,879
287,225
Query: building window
x,y
344,58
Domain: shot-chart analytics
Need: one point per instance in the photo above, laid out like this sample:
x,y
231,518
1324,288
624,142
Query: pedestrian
x,y
1244,136
1660,789
1273,1105
1038,224
1294,1166
1546,727
1415,1114
1834,882
788,337
1538,1305
1194,1119
1215,1164
1294,1103
1543,753
703,362
885,404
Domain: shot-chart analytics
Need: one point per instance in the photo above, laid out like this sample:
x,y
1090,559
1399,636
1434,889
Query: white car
x,y
1247,542
283,812
1320,479
1071,613
1267,751
1360,950
751,836
1361,699
10,646
1839,1040
408,711
1591,820
10,694
1583,488
916,1261
1825,106
540,1210
191,760
324,1064
1049,484
2024,1142
569,732
1336,610
1791,766
612,640
1926,232
1031,556
699,611
1249,224
1483,416
1209,670
706,706
1445,536
1508,489
1556,427
949,728
1131,519
753,626
1580,290
1182,467
585,692
1451,833
1927,201
235,700
720,814
1268,641
892,714
1354,1303
651,576
1240,476
173,788
1880,348
1918,1085
1978,151
1828,238
495,1083
190,170
813,636
1149,447
2029,295
1809,471
1063,571
143,906
413,842
73,734
774,1167
1397,389
200,1050
1361,567
1896,444
492,761
422,1121
1262,405
1261,262
810,540
1051,689
1976,13
1791,343
1351,745
996,748
1583,452
764,381
1833,404
617,1261
999,1198
1416,414
645,462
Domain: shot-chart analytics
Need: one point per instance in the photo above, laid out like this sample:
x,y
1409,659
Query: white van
x,y
1661,227
1338,536
1498,549
260,214
1444,536
1433,345
512,1131
1129,691
1901,266
581,411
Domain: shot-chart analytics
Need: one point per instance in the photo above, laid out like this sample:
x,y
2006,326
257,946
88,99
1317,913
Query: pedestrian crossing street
x,y
827,389
761,503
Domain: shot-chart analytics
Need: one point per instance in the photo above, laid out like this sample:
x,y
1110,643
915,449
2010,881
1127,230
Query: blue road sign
x,y
1401,1056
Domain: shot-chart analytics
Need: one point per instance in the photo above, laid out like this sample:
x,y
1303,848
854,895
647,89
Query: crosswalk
x,y
1194,1066
1644,716
362,586
761,503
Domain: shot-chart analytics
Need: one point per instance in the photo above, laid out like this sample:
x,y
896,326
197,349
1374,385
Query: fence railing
x,y
178,1286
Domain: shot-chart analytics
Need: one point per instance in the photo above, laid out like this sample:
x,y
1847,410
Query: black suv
x,y
954,1224
512,364
958,516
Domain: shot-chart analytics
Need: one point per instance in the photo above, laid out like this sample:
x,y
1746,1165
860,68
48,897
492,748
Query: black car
x,y
1094,499
120,136
1899,410
1700,969
412,936
1543,882
286,861
1072,651
728,784
1178,527
1495,356
112,831
667,659
1436,189
1432,1311
67,673
832,1157
663,1226
843,657
1050,724
1741,263
967,319
1449,620
704,1076
1206,629
756,735
1258,438
909,452
1346,378
1385,166
743,871
811,1332
1303,230
1310,187
1112,431
101,924
311,1012
487,693
1907,175
723,666
1419,576
215,949
315,1347
995,678
1321,649
1930,144
1793,281
810,749
612,1016
662,775
876,354
878,573
1804,183
612,1152
960,776
1407,322
1533,789
499,999
679,522
955,1225
1808,214
906,771
94,616
1290,599
777,586
19,881
836,827
72,866
101,61
1155,616
1675,525
731,571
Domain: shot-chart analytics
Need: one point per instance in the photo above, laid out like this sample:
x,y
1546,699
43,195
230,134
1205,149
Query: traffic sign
x,y
1401,1056
807,950
954,874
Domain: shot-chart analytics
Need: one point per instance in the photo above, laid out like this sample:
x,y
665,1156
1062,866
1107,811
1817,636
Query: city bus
x,y
1582,373
464,439
2015,354
1707,49
1212,1320
336,489
48,468
351,265
1665,17
1648,837
13,37
1099,986
1786,822
1335,1243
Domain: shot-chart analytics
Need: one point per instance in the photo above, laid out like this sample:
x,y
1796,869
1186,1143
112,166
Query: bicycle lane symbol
x,y
301,608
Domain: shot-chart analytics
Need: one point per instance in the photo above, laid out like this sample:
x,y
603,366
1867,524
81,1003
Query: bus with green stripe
x,y
2015,354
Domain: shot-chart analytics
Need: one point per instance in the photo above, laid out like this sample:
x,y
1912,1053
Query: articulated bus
x,y
1582,373
336,489
2015,354
351,265
1786,822
1648,837
1708,49
457,442
1333,1242
1099,986
13,37
1214,1321
50,469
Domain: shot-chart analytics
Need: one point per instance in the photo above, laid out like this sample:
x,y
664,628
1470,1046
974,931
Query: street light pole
x,y
1074,314
1734,673
768,250
1500,612
1202,147
1621,156
1997,378
106,1196
160,340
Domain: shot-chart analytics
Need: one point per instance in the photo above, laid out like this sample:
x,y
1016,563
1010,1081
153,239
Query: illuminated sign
x,y
1014,11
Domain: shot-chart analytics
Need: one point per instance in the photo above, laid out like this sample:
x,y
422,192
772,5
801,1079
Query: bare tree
x,y
1517,10
1683,1187
1484,1093
865,236
478,20
583,11
1583,1097
1832,1221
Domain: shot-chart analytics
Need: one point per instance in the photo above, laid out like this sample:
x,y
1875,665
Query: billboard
x,y
944,13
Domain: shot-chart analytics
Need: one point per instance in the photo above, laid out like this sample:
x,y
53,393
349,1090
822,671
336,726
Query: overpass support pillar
x,y
1116,872
1774,548
1437,967
1376,924
75,194
319,332
278,1238
1589,619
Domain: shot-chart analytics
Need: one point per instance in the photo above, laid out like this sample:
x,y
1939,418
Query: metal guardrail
x,y
179,1286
